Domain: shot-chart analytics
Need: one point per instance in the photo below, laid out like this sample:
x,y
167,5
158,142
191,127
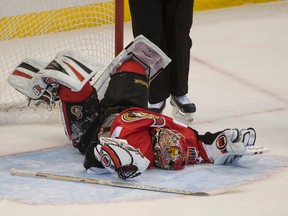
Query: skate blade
x,y
186,118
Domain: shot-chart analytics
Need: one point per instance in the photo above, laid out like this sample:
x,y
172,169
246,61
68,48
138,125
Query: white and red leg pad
x,y
71,69
23,78
141,50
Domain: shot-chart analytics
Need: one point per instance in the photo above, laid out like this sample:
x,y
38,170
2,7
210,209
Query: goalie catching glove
x,y
232,144
117,156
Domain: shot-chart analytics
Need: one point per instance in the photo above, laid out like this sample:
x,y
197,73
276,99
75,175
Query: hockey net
x,y
41,28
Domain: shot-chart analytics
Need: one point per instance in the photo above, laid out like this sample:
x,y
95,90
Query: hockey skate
x,y
182,109
157,107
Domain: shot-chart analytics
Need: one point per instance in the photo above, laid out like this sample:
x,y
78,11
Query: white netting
x,y
40,29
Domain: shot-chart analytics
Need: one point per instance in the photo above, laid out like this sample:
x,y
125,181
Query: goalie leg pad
x,y
25,80
141,50
71,69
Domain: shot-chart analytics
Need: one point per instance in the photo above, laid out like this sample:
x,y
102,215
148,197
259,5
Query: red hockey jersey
x,y
135,126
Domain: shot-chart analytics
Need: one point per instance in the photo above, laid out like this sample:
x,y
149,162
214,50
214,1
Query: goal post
x,y
40,29
119,26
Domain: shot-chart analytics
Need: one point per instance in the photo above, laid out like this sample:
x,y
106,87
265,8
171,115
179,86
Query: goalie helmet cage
x,y
40,29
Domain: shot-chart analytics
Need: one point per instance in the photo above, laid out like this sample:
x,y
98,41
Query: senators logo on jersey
x,y
77,111
131,116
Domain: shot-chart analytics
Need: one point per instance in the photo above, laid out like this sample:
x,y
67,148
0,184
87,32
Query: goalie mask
x,y
170,150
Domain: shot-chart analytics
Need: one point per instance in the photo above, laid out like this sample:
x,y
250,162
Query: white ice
x,y
238,78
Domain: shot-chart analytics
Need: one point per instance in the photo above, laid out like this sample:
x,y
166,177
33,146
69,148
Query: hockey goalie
x,y
109,121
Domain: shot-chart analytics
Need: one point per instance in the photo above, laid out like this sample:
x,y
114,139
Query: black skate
x,y
183,109
158,107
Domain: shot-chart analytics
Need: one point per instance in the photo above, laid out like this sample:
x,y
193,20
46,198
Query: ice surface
x,y
66,161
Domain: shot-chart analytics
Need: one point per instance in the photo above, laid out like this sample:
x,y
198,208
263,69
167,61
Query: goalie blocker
x,y
116,155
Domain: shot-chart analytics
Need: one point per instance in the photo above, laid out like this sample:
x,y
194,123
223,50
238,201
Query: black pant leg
x,y
147,19
178,18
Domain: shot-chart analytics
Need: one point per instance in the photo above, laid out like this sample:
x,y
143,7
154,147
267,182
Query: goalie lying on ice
x,y
109,122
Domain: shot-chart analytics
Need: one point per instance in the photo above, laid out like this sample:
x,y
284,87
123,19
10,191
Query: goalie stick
x,y
14,171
